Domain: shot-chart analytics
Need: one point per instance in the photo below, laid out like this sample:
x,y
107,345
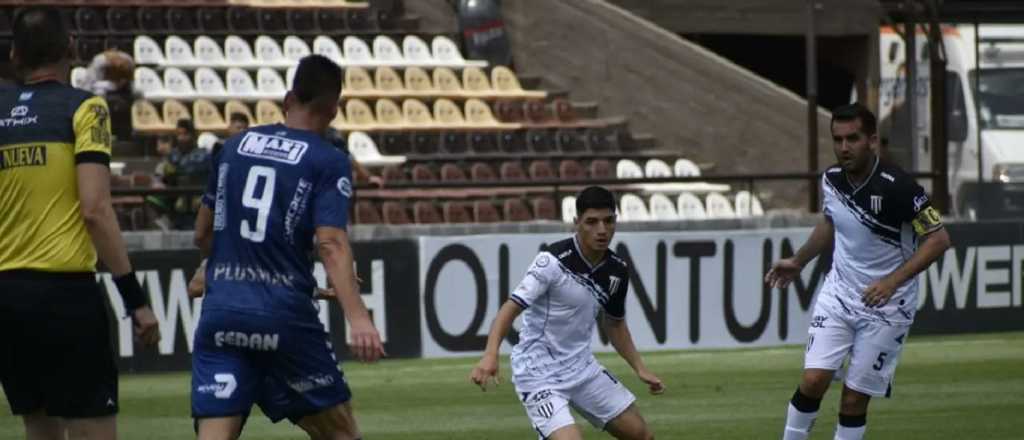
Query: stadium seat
x,y
389,115
152,20
748,205
657,168
483,141
386,51
416,52
475,82
541,170
418,83
448,114
662,208
175,111
295,49
506,84
395,213
452,173
365,151
207,116
601,169
571,140
633,209
147,52
423,174
210,86
478,115
456,212
357,53
544,208
78,77
446,52
358,84
267,112
213,20
426,142
177,84
388,82
178,53
146,119
485,212
90,21
602,140
339,123
359,115
148,84
331,20
628,169
122,20
515,210
89,47
241,86
366,213
426,213
358,20
269,53
686,168
208,52
235,106
239,53
394,174
541,141
512,141
270,83
568,209
571,170
289,77
512,171
537,115
182,20
243,19
690,207
446,83
417,115
718,206
273,21
326,46
507,110
482,172
302,20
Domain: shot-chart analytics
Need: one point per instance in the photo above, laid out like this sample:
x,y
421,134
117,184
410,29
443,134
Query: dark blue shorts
x,y
290,371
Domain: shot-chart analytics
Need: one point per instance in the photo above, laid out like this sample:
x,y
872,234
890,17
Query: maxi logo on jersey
x,y
275,148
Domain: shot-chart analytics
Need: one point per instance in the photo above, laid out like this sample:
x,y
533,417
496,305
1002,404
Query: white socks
x,y
851,427
798,424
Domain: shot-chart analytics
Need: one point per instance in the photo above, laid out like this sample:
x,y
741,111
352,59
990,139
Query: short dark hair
x,y
186,124
238,117
594,197
40,37
855,112
316,77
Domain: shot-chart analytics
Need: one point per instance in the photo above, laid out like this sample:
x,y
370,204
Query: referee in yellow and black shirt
x,y
56,356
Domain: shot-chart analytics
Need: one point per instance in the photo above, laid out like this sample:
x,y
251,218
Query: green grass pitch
x,y
951,387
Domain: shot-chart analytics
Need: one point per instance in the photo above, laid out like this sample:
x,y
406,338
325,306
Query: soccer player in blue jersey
x,y
274,189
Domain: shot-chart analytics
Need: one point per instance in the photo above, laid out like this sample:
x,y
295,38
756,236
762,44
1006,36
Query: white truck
x,y
999,100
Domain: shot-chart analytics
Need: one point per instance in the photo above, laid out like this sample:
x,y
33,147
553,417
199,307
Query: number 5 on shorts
x,y
880,362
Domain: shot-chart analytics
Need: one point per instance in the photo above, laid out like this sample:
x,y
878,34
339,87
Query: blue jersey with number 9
x,y
271,187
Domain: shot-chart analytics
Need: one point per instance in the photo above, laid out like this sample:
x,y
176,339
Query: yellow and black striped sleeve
x,y
92,131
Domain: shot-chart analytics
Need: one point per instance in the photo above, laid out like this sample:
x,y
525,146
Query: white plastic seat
x,y
748,205
238,53
365,151
657,168
208,52
177,84
662,208
178,53
289,77
633,209
357,53
241,86
417,52
326,46
386,52
686,168
295,49
269,53
269,83
718,206
148,83
147,51
79,75
447,54
209,85
690,207
568,209
627,169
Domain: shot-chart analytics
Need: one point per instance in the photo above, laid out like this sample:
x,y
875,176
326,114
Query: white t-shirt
x,y
563,294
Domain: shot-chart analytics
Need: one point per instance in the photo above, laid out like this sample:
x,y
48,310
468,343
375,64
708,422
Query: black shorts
x,y
56,352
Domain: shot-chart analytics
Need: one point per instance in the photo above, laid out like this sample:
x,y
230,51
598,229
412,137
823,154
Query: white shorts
x,y
599,399
873,348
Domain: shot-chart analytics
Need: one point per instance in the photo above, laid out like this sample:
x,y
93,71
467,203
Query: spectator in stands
x,y
165,175
191,162
237,123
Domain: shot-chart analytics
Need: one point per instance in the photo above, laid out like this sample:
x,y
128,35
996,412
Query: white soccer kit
x,y
553,367
877,226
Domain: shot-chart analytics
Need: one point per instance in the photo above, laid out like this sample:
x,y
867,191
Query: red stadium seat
x,y
423,173
541,170
456,212
482,172
571,170
395,213
366,213
425,213
512,171
485,212
544,209
393,174
515,210
452,173
601,169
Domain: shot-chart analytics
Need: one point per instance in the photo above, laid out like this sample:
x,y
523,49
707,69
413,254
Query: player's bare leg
x,y
335,423
220,428
39,426
92,428
853,410
803,407
630,425
567,432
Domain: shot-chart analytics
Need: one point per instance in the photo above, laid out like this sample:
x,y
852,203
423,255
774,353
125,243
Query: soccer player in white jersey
x,y
564,291
884,231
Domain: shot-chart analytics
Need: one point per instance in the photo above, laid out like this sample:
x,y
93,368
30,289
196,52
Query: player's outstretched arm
x,y
786,270
620,337
336,254
931,248
487,369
